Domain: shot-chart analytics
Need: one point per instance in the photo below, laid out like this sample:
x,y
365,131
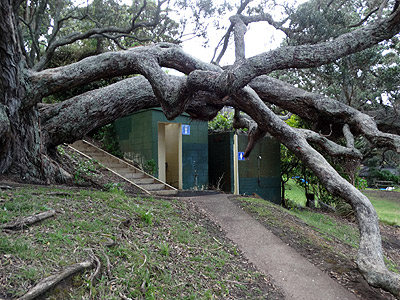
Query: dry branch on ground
x,y
24,222
49,282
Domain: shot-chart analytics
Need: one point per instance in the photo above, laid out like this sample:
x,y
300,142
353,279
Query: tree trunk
x,y
20,139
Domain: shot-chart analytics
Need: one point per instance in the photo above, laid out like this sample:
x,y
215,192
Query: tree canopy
x,y
320,74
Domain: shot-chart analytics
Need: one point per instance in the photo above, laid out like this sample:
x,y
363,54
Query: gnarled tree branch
x,y
317,107
73,37
307,56
370,257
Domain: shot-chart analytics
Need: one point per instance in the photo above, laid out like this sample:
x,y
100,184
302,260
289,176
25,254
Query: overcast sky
x,y
260,37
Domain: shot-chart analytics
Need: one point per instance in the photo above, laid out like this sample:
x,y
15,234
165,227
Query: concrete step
x,y
153,187
132,175
125,170
166,192
113,165
141,181
97,156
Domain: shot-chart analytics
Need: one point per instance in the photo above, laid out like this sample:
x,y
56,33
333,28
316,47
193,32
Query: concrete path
x,y
297,277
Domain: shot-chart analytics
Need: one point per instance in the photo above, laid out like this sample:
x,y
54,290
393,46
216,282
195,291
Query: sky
x,y
260,37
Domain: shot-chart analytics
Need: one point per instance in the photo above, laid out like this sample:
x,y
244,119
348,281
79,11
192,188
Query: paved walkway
x,y
297,277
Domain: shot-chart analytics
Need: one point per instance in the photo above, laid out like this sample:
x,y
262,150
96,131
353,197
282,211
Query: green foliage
x,y
360,183
73,17
61,150
107,136
86,168
150,166
349,79
146,216
222,122
114,187
295,193
384,175
314,22
164,249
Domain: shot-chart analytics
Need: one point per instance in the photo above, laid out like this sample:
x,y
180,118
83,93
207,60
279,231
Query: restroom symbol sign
x,y
240,155
186,129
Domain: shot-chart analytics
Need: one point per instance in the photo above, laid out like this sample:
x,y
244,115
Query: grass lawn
x,y
388,209
295,193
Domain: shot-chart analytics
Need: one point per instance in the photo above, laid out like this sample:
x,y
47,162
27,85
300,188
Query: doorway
x,y
170,153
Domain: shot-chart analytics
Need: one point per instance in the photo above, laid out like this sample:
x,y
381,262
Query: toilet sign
x,y
185,129
240,155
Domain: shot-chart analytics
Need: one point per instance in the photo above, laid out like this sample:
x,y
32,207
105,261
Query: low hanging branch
x,y
370,256
329,146
51,281
316,107
27,221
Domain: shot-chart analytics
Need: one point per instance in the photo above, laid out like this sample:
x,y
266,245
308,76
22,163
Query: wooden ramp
x,y
145,182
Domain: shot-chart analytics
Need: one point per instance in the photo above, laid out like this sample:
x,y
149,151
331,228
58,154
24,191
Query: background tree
x,y
30,131
367,80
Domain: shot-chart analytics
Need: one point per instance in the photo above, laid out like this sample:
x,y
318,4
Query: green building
x,y
187,157
179,148
259,174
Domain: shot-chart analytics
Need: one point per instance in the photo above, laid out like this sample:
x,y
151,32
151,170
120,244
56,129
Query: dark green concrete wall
x,y
220,157
260,176
135,136
138,139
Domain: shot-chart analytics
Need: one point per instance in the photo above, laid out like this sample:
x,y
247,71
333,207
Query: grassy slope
x,y
162,250
328,230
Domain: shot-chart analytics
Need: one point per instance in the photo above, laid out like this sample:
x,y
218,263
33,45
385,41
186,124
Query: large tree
x,y
30,130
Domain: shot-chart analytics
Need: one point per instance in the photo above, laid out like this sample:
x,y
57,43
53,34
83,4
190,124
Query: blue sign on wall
x,y
240,155
185,129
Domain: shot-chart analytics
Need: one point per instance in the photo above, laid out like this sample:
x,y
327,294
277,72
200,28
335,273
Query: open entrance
x,y
170,153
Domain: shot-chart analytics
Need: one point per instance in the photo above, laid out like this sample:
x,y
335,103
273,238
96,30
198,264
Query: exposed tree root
x,y
123,297
59,194
49,282
108,264
27,221
5,187
96,273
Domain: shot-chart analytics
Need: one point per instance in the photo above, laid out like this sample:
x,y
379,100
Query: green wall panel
x,y
220,160
138,138
259,174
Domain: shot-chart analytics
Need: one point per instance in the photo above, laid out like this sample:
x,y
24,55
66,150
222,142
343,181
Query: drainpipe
x,y
259,169
195,176
235,165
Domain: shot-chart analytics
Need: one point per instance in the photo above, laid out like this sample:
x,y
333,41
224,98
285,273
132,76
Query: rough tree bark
x,y
29,130
20,141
